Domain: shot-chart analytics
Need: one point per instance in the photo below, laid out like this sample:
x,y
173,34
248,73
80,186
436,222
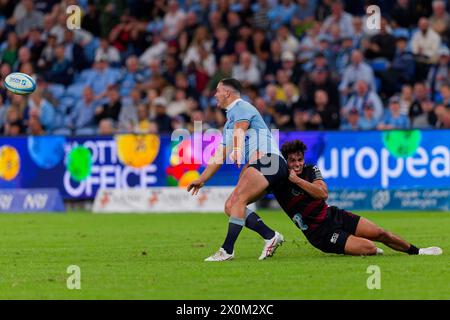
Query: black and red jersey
x,y
306,212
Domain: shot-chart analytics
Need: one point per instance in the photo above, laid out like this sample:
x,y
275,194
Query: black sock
x,y
413,250
234,228
255,223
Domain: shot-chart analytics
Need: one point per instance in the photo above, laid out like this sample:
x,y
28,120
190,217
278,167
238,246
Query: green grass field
x,y
160,256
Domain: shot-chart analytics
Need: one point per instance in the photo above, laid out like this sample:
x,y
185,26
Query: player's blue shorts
x,y
273,167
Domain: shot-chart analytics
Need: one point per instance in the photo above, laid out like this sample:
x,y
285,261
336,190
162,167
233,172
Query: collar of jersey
x,y
231,105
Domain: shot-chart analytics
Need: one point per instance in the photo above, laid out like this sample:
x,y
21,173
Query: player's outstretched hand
x,y
195,186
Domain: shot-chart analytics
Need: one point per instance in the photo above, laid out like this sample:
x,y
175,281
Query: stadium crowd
x,y
151,66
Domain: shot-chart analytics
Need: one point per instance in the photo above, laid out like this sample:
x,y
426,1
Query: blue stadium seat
x,y
57,90
379,65
89,49
75,90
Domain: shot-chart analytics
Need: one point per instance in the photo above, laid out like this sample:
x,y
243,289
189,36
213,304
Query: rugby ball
x,y
20,83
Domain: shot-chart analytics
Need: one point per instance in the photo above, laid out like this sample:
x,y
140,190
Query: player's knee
x,y
228,206
381,234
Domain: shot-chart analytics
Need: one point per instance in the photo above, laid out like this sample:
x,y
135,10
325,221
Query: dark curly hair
x,y
293,147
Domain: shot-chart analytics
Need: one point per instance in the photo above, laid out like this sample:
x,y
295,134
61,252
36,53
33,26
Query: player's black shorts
x,y
332,234
273,167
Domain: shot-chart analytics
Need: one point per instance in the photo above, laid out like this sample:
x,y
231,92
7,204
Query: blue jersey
x,y
258,137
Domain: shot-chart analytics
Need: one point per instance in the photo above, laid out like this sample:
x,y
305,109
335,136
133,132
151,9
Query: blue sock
x,y
234,228
255,223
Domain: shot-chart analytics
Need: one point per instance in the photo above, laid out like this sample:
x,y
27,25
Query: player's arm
x,y
214,164
238,141
317,189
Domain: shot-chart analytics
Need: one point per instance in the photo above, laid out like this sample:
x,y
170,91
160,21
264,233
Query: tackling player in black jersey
x,y
329,228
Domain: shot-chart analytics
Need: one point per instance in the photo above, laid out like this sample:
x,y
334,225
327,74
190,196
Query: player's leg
x,y
250,186
369,230
359,246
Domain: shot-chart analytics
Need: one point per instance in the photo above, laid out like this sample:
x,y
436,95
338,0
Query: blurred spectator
x,y
13,125
101,76
260,17
403,15
439,73
338,17
131,76
309,43
24,56
179,105
172,67
174,20
107,52
41,108
82,118
106,127
91,19
381,45
367,121
35,43
303,16
323,115
358,32
31,19
199,52
143,124
291,67
274,62
74,52
246,71
111,109
260,46
425,44
393,119
224,71
442,117
406,99
357,70
444,94
440,19
344,54
61,69
319,79
288,41
35,127
261,105
281,13
420,93
363,96
223,45
156,51
402,68
352,121
427,119
48,54
161,118
9,50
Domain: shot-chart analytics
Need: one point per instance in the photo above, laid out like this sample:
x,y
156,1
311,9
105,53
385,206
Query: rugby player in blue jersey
x,y
246,140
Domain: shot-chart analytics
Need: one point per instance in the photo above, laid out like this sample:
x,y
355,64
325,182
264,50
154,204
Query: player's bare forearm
x,y
239,134
214,164
317,189
210,171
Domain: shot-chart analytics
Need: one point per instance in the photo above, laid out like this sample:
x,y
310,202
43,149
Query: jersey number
x,y
299,222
